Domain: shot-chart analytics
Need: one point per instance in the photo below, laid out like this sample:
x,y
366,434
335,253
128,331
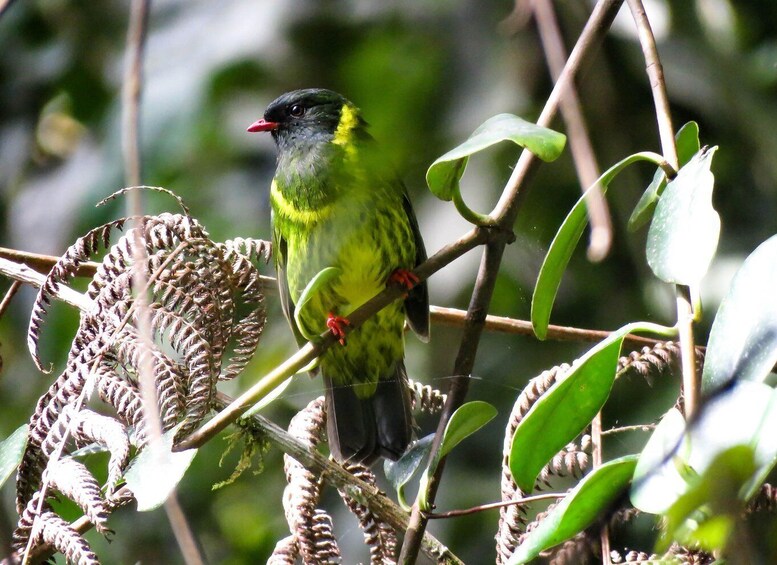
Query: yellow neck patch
x,y
286,209
349,120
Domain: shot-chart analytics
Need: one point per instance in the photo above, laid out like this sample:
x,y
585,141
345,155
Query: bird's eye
x,y
296,110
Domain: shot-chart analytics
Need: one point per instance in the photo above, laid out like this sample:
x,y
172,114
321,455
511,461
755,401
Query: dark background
x,y
425,74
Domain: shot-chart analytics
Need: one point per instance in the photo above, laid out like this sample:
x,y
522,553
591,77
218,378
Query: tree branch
x,y
685,315
505,214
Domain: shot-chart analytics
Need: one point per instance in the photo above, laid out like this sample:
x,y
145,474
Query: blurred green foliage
x,y
425,74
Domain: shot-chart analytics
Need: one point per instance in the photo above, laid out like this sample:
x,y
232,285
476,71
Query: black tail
x,y
362,429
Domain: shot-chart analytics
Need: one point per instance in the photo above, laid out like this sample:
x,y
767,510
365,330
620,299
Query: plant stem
x,y
579,140
505,214
685,315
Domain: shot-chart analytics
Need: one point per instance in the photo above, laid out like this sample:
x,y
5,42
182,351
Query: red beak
x,y
263,125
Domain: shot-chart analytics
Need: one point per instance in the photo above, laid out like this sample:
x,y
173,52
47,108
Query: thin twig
x,y
131,96
495,505
685,315
634,428
596,455
44,264
579,140
182,532
12,290
505,214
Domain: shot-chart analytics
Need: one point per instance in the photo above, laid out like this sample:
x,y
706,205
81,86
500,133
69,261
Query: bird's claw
x,y
404,278
336,325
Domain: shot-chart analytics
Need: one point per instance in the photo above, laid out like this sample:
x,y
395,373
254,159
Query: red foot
x,y
405,278
337,325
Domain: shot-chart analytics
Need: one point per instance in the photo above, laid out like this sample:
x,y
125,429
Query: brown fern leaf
x,y
168,375
327,550
633,556
247,330
378,536
650,361
64,270
61,536
511,518
302,494
73,479
109,433
688,556
64,391
194,289
26,521
285,553
250,248
764,501
425,398
580,549
573,460
126,400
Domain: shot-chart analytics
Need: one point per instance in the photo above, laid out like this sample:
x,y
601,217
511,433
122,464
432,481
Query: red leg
x,y
337,325
405,278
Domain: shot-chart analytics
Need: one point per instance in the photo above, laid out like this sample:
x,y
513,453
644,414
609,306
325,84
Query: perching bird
x,y
337,205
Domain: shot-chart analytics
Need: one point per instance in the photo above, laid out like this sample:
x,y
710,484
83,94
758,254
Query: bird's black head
x,y
309,116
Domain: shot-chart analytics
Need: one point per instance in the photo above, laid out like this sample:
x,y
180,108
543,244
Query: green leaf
x,y
743,339
566,241
687,139
11,451
688,143
579,509
398,473
156,471
445,173
568,406
465,421
314,286
675,456
658,485
711,502
683,235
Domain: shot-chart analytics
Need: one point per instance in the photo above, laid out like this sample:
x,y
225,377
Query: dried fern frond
x,y
379,536
654,360
572,461
205,309
425,398
327,550
580,549
285,552
511,518
303,491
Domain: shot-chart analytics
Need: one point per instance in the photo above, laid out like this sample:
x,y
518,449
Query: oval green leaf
x,y
156,471
688,145
445,173
579,508
683,235
658,481
568,406
565,242
743,338
465,421
11,451
742,415
398,473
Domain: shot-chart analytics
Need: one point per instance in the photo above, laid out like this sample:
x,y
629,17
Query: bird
x,y
341,216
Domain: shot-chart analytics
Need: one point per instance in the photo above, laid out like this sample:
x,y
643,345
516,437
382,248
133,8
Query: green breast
x,y
365,233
